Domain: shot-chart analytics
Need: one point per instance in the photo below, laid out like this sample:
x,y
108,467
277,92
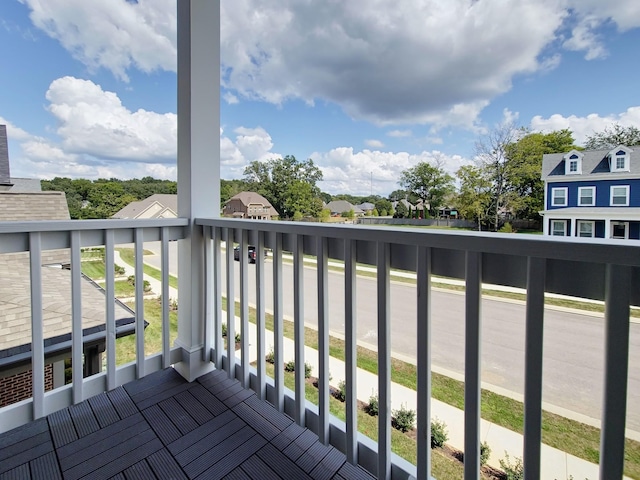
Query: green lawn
x,y
128,256
93,269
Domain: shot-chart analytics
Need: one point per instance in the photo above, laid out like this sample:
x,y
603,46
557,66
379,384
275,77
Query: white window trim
x,y
611,189
564,228
553,197
579,223
593,196
568,160
626,229
614,163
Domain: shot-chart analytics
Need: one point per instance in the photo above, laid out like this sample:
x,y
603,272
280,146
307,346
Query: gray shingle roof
x,y
135,209
594,165
21,206
340,206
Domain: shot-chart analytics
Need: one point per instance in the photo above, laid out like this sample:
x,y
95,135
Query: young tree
x,y
474,196
401,210
613,136
430,183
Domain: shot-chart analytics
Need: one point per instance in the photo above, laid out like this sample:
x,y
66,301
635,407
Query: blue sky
x,y
366,88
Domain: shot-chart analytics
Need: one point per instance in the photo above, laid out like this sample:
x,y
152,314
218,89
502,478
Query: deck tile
x,y
163,426
20,434
83,419
200,433
165,466
103,410
235,399
238,474
206,398
280,463
178,415
329,465
269,412
300,445
260,424
258,470
229,462
205,444
23,456
20,472
122,402
139,471
288,435
312,457
61,427
46,466
197,411
349,471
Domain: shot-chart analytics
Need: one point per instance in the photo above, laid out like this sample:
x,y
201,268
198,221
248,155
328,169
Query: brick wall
x,y
18,387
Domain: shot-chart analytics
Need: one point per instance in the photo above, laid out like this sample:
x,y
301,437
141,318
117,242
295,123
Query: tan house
x,y
159,205
249,205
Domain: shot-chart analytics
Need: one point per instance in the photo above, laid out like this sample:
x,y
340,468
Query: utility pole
x,y
372,184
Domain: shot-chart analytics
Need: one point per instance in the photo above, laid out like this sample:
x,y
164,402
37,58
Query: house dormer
x,y
573,163
620,159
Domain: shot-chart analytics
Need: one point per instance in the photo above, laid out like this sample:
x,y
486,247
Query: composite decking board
x,y
205,444
288,435
23,457
118,476
313,456
196,409
158,395
46,466
100,442
229,462
161,424
61,427
349,471
260,424
122,402
200,433
104,410
329,465
258,470
218,452
178,415
119,459
237,474
21,472
23,433
206,398
24,445
239,397
280,463
229,392
165,466
83,419
268,411
139,471
213,377
218,384
167,377
300,445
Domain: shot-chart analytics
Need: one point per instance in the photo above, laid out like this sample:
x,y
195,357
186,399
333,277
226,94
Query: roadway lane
x,y
573,343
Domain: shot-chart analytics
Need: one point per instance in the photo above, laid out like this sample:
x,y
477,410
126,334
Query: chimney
x,y
5,175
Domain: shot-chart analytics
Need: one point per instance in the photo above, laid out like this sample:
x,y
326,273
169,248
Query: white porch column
x,y
545,225
607,228
573,228
198,166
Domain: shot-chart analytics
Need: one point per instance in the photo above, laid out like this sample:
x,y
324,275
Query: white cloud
x,y
358,173
584,38
230,98
399,133
13,132
374,143
94,122
582,127
112,34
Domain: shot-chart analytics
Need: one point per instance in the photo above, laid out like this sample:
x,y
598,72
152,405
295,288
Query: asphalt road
x,y
573,342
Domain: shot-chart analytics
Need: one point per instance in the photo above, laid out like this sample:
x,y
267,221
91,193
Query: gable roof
x,y
21,206
135,209
339,206
595,164
248,198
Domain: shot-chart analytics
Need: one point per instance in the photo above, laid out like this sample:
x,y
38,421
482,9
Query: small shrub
x,y
271,357
506,228
404,419
439,433
146,286
118,270
307,370
341,393
224,330
131,279
373,408
513,471
238,338
290,366
485,453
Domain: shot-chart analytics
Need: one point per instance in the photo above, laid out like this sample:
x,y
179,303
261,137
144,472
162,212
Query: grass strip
x,y
128,256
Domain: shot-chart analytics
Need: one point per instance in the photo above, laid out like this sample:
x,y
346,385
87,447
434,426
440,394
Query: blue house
x,y
592,194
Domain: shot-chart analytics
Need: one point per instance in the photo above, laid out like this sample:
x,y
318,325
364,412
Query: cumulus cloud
x,y
399,133
374,143
94,122
359,172
582,127
112,34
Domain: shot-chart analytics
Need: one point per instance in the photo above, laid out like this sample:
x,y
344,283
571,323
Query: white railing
x,y
602,271
36,238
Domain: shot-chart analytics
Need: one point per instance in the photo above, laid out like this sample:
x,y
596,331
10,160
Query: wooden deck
x,y
167,428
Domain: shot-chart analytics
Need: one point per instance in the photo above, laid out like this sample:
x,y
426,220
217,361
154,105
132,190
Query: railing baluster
x,y
217,296
209,294
473,299
76,318
260,316
110,320
139,276
164,273
616,366
298,318
231,306
37,329
278,328
423,273
244,308
536,271
351,366
384,363
323,339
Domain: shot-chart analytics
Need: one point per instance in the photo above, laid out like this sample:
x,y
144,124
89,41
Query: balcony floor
x,y
165,427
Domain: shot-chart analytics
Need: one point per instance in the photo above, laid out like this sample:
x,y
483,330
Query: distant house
x,y
366,207
249,205
592,194
405,202
159,205
338,207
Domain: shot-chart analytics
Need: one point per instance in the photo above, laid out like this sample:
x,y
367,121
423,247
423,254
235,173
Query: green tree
x,y
383,204
289,184
613,136
401,210
430,183
474,195
325,215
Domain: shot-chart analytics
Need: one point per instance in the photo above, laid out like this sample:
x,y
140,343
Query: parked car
x,y
251,250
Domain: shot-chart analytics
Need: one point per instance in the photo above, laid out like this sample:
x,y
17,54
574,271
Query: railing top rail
x,y
108,224
620,252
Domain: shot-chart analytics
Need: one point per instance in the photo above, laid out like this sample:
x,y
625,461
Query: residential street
x,y
573,342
